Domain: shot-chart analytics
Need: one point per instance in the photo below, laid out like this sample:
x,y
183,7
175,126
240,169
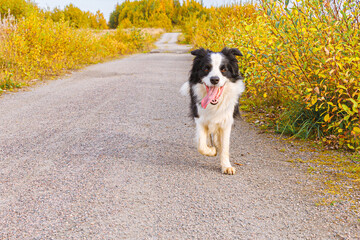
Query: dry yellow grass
x,y
34,48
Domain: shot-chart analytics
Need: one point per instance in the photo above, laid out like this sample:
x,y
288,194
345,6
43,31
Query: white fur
x,y
185,88
216,59
217,120
218,113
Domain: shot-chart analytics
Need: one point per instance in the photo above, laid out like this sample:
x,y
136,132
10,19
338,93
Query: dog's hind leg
x,y
201,140
226,167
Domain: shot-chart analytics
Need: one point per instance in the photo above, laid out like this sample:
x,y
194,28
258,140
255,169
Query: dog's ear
x,y
201,52
231,51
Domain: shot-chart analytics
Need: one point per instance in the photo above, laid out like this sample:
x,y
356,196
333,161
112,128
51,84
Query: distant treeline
x,y
155,13
78,18
165,14
71,14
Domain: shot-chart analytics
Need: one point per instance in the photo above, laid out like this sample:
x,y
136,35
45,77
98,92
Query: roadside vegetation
x,y
301,63
36,43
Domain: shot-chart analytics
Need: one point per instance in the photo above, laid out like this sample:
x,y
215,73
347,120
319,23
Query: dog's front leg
x,y
217,140
226,167
201,140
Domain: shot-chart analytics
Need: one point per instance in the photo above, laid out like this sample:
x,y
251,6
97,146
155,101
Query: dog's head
x,y
214,70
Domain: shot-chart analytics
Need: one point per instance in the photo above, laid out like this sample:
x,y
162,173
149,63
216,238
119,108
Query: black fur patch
x,y
236,112
193,101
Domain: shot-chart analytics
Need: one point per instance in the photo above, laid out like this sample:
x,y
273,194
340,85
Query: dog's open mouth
x,y
212,96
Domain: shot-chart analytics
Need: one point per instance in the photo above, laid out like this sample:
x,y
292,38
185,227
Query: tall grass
x,y
35,47
302,60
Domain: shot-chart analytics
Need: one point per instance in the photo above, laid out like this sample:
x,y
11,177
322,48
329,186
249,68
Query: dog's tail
x,y
185,89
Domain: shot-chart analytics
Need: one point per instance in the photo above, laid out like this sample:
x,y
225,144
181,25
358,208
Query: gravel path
x,y
108,153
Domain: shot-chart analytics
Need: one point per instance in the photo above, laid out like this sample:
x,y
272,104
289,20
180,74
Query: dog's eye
x,y
223,69
207,69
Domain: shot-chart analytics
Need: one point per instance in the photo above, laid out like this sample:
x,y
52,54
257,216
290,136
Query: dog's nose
x,y
214,80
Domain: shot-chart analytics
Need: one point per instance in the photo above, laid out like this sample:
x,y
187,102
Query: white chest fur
x,y
221,113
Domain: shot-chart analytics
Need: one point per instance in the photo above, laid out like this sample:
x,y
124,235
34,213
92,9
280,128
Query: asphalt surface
x,y
167,44
108,153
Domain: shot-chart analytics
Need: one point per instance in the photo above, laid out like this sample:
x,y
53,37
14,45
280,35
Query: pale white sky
x,y
105,6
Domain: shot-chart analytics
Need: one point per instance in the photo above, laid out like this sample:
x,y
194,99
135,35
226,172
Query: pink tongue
x,y
210,96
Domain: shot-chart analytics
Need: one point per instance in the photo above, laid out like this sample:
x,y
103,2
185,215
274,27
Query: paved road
x,y
167,44
108,153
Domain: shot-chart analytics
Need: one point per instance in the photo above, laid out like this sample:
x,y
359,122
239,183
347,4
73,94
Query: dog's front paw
x,y
229,170
208,151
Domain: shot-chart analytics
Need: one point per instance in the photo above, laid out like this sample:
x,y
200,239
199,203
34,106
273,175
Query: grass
x,y
337,171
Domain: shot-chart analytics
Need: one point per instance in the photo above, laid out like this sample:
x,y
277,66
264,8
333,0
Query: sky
x,y
105,6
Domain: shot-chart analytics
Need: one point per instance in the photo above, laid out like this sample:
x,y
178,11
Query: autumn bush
x,y
17,8
78,18
34,47
165,14
301,62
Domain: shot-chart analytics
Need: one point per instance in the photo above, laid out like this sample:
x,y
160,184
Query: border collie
x,y
215,79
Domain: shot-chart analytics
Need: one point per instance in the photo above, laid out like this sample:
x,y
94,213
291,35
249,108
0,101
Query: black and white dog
x,y
214,79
